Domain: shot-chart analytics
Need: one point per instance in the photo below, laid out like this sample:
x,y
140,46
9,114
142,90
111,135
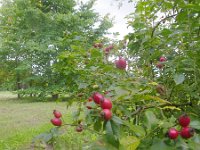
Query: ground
x,y
21,120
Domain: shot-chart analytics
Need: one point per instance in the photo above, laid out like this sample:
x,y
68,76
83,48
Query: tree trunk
x,y
18,85
55,96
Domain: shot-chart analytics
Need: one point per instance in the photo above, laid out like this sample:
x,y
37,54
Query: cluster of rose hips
x,y
160,64
186,132
108,48
56,121
121,63
104,103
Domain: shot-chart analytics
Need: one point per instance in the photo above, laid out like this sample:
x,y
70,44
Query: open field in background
x,y
21,120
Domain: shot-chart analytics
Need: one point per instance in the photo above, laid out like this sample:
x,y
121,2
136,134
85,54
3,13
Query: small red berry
x,y
172,133
162,59
57,114
89,100
97,97
100,45
187,132
79,128
111,47
184,120
56,121
106,114
107,50
121,63
159,65
106,104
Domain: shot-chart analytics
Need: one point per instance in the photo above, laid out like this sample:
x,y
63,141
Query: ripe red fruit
x,y
100,45
89,100
187,132
96,45
159,65
172,133
106,104
162,59
56,121
57,114
121,63
184,120
97,97
107,50
111,47
79,128
106,114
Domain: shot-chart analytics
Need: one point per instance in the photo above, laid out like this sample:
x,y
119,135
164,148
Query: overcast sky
x,y
111,6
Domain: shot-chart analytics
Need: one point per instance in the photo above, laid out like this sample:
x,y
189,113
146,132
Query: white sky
x,y
111,6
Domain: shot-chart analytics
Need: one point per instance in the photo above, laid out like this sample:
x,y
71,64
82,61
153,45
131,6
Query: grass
x,y
22,120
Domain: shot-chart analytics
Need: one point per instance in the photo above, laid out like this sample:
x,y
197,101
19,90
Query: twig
x,y
139,109
84,127
154,28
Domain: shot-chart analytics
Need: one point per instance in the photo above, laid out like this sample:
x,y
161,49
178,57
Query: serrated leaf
x,y
195,124
151,119
130,142
117,120
179,78
98,125
82,85
155,98
138,130
171,107
153,83
112,128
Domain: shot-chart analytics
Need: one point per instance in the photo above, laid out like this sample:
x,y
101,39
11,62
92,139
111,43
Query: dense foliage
x,y
34,33
159,84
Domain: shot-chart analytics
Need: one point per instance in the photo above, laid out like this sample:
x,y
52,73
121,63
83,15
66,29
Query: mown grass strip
x,y
18,140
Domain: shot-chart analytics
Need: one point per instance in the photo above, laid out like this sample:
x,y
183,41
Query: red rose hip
x,y
187,132
56,121
162,59
97,97
57,114
184,120
79,128
121,63
106,114
89,100
172,133
106,104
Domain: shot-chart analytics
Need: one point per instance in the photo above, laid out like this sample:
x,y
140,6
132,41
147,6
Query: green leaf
x,y
138,130
117,120
195,124
112,128
179,78
159,144
155,98
83,85
151,119
98,125
130,142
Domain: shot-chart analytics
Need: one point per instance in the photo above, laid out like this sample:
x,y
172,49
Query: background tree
x,y
35,32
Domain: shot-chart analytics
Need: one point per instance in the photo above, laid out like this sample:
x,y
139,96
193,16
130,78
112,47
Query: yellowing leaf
x,y
171,107
130,142
153,83
149,97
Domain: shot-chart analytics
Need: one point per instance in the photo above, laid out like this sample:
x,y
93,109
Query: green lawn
x,y
21,120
